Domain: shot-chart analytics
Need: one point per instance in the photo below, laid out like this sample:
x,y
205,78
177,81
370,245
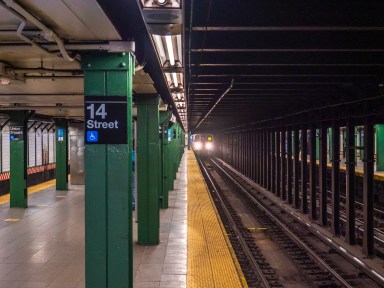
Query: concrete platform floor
x,y
43,246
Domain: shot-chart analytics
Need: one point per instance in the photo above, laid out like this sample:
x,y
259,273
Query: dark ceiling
x,y
284,57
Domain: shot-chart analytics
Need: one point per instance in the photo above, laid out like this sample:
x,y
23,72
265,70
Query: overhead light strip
x,y
168,40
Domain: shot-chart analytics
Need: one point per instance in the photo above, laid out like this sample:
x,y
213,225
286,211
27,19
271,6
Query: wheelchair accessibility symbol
x,y
93,136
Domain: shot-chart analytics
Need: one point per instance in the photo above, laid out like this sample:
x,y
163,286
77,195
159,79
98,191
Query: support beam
x,y
304,173
277,165
148,163
312,172
323,175
61,154
283,165
368,196
253,150
242,153
335,220
108,176
265,165
165,116
258,157
273,161
289,166
250,149
296,168
171,156
268,155
380,147
350,233
18,158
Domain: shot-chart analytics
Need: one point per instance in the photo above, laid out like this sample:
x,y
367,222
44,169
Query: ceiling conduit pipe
x,y
215,104
21,27
48,33
19,34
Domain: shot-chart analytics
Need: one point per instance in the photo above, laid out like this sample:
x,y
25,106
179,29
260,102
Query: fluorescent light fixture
x,y
166,47
4,81
168,77
168,40
178,97
160,48
179,51
175,80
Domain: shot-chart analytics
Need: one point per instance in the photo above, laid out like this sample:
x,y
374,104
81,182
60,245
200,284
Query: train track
x,y
319,264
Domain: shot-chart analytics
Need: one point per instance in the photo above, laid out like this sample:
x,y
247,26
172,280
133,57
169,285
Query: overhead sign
x,y
16,133
105,120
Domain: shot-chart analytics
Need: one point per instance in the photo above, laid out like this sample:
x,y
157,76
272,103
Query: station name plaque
x,y
105,120
16,133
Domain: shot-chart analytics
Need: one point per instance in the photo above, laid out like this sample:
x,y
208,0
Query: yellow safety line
x,y
33,189
231,250
210,263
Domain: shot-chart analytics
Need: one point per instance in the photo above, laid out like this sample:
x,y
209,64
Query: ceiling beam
x,y
288,28
285,50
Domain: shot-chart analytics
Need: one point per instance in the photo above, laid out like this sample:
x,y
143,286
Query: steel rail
x,y
348,254
250,257
286,229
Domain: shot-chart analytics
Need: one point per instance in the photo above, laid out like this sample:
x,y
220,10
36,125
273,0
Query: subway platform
x,y
43,245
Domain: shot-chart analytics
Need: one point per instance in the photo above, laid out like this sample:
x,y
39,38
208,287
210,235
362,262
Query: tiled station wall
x,y
41,156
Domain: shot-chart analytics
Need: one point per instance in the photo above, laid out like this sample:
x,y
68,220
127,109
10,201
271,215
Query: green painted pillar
x,y
317,144
18,158
61,154
175,150
344,142
380,147
148,167
182,139
165,116
361,137
108,168
171,142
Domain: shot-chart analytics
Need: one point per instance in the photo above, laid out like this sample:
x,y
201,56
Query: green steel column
x,y
361,137
317,144
380,147
178,148
182,139
108,168
170,157
18,158
165,116
61,154
175,151
148,167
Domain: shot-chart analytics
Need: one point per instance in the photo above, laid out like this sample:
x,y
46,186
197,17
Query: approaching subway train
x,y
202,143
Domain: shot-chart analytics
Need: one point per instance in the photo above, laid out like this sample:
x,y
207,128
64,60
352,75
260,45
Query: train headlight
x,y
198,145
162,2
209,146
